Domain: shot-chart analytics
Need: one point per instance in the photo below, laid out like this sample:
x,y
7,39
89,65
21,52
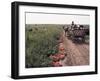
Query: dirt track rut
x,y
76,54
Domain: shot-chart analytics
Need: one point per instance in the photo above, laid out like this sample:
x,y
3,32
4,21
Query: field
x,y
41,41
47,46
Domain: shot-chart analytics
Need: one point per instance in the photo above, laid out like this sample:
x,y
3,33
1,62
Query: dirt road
x,y
76,54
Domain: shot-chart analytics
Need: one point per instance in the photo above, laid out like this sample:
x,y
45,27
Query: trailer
x,y
77,34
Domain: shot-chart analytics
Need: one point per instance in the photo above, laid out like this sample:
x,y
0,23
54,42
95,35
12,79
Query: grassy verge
x,y
41,41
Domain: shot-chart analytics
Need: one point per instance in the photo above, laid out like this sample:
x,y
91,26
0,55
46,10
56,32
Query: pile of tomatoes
x,y
56,64
56,59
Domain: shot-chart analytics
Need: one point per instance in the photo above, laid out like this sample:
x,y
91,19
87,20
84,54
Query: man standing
x,y
72,25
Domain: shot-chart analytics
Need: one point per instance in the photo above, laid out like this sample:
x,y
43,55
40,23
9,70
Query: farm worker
x,y
72,25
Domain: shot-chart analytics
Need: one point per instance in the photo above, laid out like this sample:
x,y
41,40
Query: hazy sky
x,y
40,18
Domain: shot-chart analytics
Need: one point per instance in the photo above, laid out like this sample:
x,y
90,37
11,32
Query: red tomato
x,y
61,49
56,64
62,56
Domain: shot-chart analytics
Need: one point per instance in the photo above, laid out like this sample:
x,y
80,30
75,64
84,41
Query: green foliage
x,y
41,41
